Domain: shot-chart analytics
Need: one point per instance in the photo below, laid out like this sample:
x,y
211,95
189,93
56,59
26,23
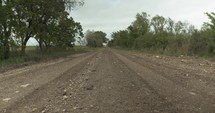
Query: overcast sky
x,y
113,15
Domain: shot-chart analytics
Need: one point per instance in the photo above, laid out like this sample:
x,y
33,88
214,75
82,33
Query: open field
x,y
33,55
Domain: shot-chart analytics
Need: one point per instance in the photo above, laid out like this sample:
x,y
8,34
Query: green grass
x,y
33,55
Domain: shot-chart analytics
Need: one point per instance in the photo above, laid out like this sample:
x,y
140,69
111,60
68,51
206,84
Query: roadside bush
x,y
199,44
178,46
164,35
161,40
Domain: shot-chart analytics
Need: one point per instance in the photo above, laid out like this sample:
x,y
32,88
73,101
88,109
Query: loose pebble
x,y
192,93
6,99
25,85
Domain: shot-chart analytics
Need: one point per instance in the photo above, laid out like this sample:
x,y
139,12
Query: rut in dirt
x,y
111,81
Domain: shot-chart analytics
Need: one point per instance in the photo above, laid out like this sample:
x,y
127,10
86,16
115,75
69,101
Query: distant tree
x,y
158,23
167,36
199,43
178,27
95,38
139,27
209,30
211,16
121,38
170,25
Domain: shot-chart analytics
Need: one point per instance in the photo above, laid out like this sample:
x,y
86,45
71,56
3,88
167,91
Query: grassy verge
x,y
32,55
165,53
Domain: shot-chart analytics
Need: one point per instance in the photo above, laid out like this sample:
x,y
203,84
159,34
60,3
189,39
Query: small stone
x,y
6,99
192,93
91,106
65,97
25,85
187,75
201,64
34,109
183,60
157,56
16,91
205,71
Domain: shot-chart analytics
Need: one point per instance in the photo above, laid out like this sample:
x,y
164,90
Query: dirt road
x,y
110,81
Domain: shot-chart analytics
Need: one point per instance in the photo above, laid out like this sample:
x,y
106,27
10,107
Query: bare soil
x,y
110,81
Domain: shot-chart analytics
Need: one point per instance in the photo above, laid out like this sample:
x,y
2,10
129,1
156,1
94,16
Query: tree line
x,y
165,35
95,38
47,21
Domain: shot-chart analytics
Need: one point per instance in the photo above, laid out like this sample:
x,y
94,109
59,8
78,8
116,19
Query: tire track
x,y
177,95
11,88
195,84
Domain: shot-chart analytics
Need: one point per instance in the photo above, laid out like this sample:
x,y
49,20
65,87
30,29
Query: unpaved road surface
x,y
110,81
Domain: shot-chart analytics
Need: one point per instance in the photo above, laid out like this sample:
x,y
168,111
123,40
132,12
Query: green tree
x,y
139,27
209,30
35,16
95,38
170,26
167,36
158,23
199,44
63,35
121,38
6,27
26,13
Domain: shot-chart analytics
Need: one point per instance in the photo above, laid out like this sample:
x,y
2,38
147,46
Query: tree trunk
x,y
24,43
40,41
23,49
6,50
6,46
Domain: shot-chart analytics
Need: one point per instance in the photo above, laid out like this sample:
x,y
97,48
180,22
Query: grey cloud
x,y
112,15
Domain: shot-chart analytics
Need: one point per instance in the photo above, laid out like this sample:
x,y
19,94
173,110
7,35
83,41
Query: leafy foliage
x,y
45,20
96,38
167,36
